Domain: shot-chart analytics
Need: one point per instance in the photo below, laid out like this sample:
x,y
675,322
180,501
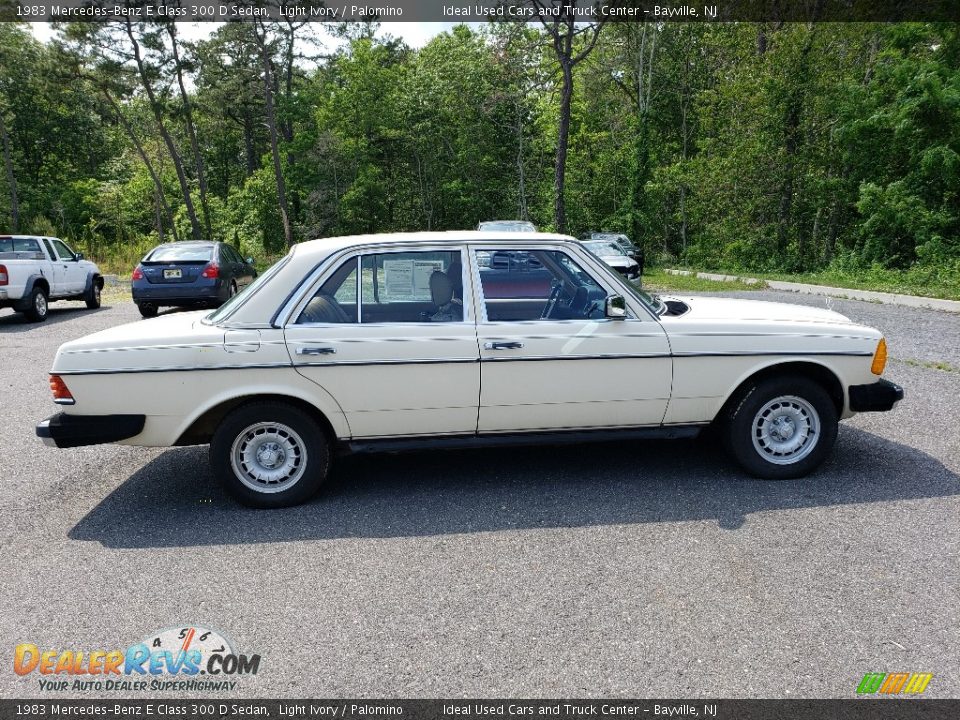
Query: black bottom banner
x,y
853,709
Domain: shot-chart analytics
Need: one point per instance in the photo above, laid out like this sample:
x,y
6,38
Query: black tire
x,y
39,305
781,427
148,310
254,437
92,296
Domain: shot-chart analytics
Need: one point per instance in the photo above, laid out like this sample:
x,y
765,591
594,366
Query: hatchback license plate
x,y
176,273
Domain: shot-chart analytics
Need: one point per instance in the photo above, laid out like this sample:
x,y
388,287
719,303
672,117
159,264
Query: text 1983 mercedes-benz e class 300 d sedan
x,y
459,339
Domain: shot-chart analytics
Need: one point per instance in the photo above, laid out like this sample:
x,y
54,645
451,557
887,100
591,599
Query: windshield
x,y
237,300
650,300
603,249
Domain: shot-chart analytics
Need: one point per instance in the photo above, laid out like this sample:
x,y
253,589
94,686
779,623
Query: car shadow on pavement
x,y
16,323
174,502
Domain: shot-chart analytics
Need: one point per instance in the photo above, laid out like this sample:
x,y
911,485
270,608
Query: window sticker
x,y
408,280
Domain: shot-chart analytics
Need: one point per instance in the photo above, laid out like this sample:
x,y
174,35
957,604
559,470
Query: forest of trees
x,y
756,146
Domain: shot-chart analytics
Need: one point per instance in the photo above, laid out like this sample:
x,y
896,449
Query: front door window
x,y
521,285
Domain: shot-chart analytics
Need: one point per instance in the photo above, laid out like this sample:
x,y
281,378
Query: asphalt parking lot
x,y
653,569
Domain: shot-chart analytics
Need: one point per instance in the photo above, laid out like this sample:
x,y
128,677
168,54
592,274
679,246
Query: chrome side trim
x,y
445,361
781,353
175,368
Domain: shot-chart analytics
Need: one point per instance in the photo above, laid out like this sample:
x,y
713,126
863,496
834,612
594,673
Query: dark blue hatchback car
x,y
189,274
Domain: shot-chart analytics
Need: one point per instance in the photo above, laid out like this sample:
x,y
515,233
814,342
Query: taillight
x,y
61,393
137,273
212,270
4,277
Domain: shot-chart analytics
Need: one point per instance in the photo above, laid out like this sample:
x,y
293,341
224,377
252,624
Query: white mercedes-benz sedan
x,y
460,339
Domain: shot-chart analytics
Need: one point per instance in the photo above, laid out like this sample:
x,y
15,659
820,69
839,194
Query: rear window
x,y
12,244
180,254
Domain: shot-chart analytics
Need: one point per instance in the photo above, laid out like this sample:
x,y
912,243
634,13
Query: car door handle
x,y
316,351
503,345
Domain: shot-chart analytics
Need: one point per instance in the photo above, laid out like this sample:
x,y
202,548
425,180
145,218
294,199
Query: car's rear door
x,y
550,359
370,333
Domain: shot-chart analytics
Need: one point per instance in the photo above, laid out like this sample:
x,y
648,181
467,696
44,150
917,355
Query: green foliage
x,y
829,150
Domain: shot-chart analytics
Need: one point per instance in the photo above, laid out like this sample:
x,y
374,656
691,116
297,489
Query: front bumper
x,y
875,397
66,431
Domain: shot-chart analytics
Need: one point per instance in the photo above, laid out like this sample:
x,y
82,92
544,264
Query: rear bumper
x,y
178,294
66,431
875,397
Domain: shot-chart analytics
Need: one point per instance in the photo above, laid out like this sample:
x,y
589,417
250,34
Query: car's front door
x,y
390,336
551,359
72,276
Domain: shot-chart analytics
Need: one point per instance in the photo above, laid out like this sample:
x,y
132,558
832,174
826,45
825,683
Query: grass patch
x,y
116,293
941,283
657,280
941,365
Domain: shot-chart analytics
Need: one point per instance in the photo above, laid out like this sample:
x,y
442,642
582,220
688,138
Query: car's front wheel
x,y
781,427
269,455
92,296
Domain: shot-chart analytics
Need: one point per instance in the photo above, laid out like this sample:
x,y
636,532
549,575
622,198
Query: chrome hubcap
x,y
268,457
41,304
786,430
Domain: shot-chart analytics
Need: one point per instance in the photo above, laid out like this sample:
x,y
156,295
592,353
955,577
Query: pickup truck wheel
x,y
92,296
148,310
781,428
39,307
270,455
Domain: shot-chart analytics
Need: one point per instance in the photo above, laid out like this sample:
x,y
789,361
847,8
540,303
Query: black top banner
x,y
482,10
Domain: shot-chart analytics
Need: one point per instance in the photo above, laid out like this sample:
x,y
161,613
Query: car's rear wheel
x,y
270,455
39,305
148,310
781,427
92,296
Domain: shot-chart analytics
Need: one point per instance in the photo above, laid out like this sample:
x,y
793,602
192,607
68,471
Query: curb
x,y
917,301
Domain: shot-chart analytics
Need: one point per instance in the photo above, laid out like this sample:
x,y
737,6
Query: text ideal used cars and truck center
x,y
390,342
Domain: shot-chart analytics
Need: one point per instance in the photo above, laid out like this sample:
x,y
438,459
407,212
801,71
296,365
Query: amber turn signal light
x,y
879,358
61,393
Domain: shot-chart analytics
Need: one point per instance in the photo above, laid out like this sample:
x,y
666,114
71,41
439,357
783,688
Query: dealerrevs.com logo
x,y
187,658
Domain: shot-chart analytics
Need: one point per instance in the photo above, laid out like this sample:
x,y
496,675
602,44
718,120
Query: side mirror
x,y
249,261
616,307
78,257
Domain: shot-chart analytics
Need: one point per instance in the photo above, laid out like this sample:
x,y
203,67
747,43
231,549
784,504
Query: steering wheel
x,y
551,301
597,306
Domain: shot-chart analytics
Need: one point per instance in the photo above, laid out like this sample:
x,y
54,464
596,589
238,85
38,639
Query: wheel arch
x,y
201,429
93,277
35,280
814,370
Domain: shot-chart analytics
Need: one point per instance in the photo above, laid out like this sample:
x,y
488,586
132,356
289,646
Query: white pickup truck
x,y
35,270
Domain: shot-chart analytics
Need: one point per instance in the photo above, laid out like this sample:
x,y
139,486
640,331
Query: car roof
x,y
326,246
